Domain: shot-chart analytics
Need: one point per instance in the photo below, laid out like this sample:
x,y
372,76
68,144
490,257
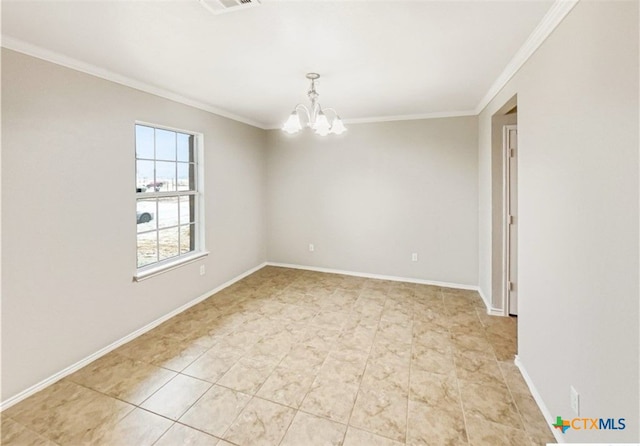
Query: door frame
x,y
506,217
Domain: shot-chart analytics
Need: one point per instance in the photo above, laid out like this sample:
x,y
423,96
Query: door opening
x,y
510,218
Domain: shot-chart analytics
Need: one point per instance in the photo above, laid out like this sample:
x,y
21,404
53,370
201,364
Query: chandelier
x,y
316,118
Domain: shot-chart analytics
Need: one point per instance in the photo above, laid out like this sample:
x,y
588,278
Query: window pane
x,y
147,249
187,209
185,147
186,180
165,177
165,145
144,176
146,214
167,212
187,239
168,243
165,221
144,142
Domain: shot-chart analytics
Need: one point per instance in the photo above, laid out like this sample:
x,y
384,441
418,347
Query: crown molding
x,y
21,46
435,115
547,25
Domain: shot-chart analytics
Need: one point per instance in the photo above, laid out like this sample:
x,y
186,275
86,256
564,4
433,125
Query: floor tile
x,y
64,411
139,427
434,361
319,337
15,434
357,437
181,435
123,378
176,396
303,358
213,364
487,433
434,389
513,377
478,368
428,425
216,410
247,375
490,402
311,430
472,343
390,377
287,386
333,399
380,412
534,422
162,351
261,423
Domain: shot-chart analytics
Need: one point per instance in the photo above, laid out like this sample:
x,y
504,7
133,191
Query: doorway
x,y
504,230
510,217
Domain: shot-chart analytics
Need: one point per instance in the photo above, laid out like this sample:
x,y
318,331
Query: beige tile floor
x,y
298,358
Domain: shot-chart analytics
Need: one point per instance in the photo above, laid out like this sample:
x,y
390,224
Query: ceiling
x,y
378,59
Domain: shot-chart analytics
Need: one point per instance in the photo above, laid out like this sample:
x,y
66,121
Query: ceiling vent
x,y
224,6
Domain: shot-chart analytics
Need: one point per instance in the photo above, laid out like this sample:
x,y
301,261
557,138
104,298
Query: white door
x,y
511,216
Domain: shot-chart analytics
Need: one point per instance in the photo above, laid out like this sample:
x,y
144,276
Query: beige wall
x,y
578,205
69,241
370,198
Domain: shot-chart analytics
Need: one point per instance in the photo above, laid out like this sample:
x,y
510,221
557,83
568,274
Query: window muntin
x,y
167,196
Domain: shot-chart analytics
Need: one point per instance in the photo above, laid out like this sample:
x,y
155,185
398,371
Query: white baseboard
x,y
539,401
376,276
491,311
103,351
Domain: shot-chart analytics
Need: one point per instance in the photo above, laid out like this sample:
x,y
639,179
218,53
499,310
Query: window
x,y
168,203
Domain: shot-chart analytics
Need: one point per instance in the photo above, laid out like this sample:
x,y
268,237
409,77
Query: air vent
x,y
223,6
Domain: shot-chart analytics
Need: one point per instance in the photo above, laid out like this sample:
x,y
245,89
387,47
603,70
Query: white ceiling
x,y
377,59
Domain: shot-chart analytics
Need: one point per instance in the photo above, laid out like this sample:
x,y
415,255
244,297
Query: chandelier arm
x,y
306,110
333,110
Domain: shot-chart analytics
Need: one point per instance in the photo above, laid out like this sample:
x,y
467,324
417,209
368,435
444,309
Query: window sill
x,y
155,270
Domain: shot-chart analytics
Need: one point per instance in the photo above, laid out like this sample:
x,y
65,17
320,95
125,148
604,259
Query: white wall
x,y
370,198
69,240
578,204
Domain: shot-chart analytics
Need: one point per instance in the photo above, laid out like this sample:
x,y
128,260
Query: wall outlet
x,y
311,247
414,257
202,270
575,401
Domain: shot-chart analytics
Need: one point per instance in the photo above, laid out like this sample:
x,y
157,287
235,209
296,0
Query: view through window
x,y
166,190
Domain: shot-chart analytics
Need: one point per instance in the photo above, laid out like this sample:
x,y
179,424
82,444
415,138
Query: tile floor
x,y
299,358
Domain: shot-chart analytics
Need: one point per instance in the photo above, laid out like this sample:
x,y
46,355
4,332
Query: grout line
x,y
406,430
164,433
355,401
455,372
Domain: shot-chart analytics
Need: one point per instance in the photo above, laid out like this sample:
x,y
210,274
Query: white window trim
x,y
164,266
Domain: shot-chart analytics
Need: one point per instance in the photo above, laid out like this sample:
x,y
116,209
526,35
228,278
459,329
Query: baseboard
x,y
539,401
103,351
376,276
491,311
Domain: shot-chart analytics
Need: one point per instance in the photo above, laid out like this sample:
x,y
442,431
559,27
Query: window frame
x,y
199,251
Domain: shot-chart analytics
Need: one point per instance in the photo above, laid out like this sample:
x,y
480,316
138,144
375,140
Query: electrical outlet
x,y
414,257
311,247
575,401
202,270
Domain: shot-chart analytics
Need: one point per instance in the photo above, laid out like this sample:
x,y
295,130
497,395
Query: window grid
x,y
162,188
